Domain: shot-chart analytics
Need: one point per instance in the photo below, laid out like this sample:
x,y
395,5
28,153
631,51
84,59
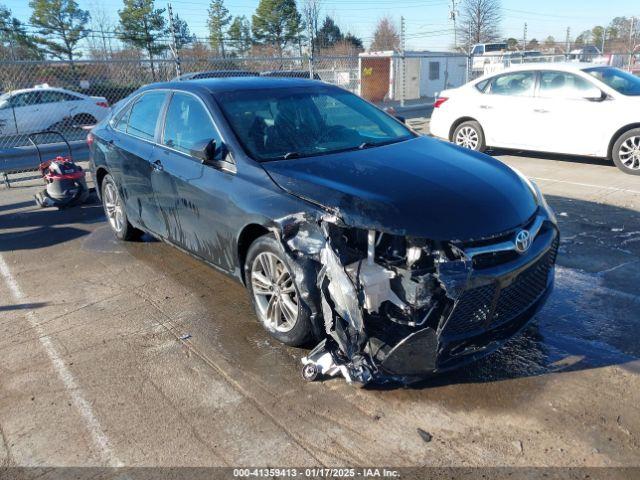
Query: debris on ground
x,y
424,435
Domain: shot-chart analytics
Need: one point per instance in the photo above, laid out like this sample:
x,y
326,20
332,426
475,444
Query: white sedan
x,y
575,109
41,108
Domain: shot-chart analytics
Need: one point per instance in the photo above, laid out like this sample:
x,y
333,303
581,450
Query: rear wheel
x,y
470,135
115,211
626,152
275,293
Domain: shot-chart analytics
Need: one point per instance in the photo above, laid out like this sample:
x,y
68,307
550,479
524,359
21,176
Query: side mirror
x,y
596,95
206,152
392,111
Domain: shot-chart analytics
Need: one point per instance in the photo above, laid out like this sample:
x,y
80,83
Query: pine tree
x,y
277,23
219,18
240,34
60,25
141,26
15,43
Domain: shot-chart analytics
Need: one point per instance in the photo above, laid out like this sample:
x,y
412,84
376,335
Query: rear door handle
x,y
540,110
157,166
486,107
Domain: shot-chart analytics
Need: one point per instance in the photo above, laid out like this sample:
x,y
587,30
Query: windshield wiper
x,y
364,145
289,155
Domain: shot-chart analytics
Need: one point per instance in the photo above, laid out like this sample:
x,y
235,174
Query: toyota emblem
x,y
523,241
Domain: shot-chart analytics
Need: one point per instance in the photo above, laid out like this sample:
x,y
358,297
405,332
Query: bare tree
x,y
311,11
102,27
386,36
480,21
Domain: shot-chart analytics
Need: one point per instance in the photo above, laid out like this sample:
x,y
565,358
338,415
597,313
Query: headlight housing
x,y
535,190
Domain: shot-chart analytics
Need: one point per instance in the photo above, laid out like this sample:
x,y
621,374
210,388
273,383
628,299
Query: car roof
x,y
44,89
216,74
561,66
218,85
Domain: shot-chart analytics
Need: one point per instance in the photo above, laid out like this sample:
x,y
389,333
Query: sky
x,y
427,21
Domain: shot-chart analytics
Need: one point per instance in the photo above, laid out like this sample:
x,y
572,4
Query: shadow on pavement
x,y
22,306
41,228
494,152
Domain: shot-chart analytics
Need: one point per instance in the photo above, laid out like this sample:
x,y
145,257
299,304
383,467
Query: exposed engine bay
x,y
377,292
385,299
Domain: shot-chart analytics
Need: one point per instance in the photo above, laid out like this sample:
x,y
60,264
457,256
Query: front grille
x,y
488,306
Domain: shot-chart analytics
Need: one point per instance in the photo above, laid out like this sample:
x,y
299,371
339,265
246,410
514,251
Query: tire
x,y
277,307
626,152
115,211
84,119
469,135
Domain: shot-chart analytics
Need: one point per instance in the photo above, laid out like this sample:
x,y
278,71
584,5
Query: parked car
x,y
483,54
345,226
587,53
41,108
574,109
216,74
290,74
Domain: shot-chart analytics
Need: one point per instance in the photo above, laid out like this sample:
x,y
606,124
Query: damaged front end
x,y
399,308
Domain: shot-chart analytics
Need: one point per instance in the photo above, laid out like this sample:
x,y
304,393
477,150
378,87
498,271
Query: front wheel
x,y
115,211
275,293
626,152
470,135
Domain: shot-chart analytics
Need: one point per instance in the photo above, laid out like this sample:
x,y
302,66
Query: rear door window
x,y
518,84
188,124
144,115
54,97
25,99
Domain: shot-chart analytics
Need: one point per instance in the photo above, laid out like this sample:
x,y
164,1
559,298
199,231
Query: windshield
x,y
622,82
285,123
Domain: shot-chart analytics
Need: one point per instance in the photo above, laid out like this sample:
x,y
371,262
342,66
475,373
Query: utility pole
x,y
631,41
567,48
312,41
453,16
524,46
174,43
403,68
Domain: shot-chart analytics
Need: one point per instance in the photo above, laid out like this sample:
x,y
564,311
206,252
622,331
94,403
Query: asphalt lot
x,y
135,354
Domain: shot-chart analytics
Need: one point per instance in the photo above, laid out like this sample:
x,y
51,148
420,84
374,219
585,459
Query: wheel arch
x,y
248,235
617,135
458,122
100,174
86,115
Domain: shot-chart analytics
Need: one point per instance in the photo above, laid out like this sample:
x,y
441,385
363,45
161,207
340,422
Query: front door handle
x,y
157,166
486,107
540,110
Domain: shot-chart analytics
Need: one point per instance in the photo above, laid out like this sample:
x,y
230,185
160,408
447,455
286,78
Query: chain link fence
x,y
70,97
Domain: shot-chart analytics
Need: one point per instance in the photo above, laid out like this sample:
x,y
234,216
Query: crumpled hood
x,y
421,187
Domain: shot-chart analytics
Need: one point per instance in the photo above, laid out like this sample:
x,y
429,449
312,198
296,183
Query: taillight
x,y
90,139
439,101
102,104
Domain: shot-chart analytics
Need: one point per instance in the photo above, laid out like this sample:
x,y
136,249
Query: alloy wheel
x,y
274,292
629,153
467,137
113,207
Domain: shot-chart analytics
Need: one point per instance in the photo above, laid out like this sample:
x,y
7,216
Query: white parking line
x,y
589,185
98,436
